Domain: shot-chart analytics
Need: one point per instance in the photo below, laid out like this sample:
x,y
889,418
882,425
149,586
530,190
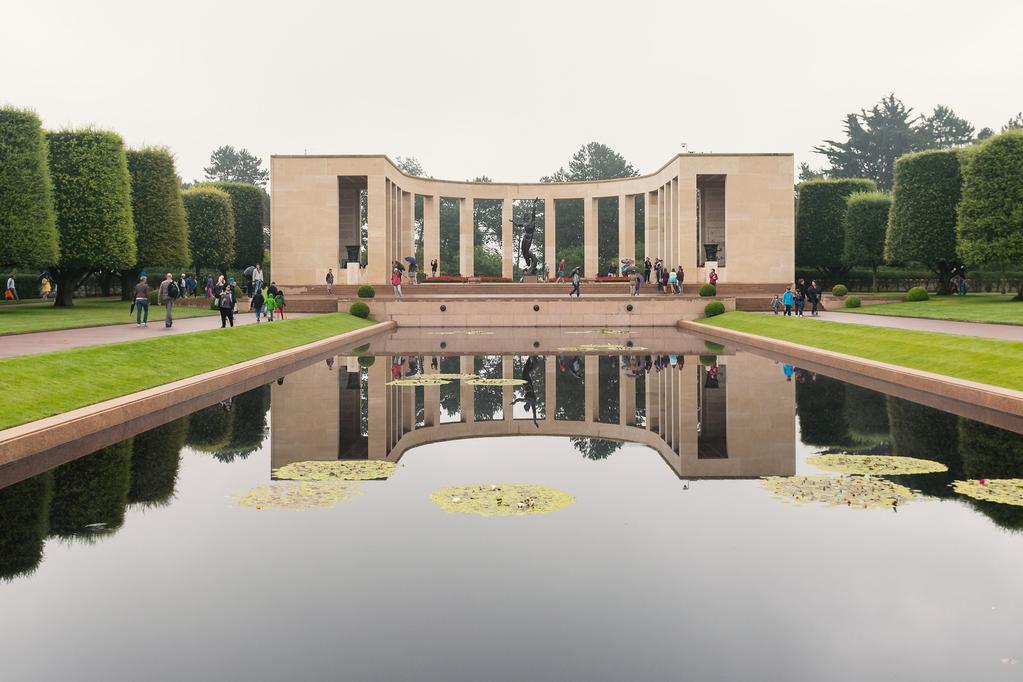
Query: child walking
x,y
271,305
279,307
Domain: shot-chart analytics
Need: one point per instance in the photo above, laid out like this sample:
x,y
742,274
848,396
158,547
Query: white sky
x,y
506,89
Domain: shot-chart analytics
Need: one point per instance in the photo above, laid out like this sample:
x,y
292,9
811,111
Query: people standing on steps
x,y
226,306
713,277
647,269
330,280
396,282
576,281
257,277
561,271
168,294
680,279
433,267
142,303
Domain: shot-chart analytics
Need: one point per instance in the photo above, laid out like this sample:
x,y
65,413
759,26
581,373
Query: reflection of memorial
x,y
681,408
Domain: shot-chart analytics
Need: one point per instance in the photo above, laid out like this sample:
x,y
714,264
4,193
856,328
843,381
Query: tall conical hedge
x,y
820,220
161,227
247,201
92,196
210,227
866,223
28,227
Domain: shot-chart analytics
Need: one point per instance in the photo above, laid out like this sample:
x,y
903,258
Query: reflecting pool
x,y
183,553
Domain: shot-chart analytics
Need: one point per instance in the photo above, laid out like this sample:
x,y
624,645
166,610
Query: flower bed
x,y
446,278
615,278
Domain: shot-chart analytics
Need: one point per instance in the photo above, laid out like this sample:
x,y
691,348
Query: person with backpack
x,y
279,301
271,304
257,303
169,292
226,305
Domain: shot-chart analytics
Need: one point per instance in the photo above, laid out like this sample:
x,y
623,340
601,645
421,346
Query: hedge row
x,y
28,227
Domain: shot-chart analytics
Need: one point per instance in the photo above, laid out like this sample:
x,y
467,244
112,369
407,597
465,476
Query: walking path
x,y
63,339
988,331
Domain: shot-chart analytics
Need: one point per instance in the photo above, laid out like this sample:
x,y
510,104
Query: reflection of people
x,y
787,369
529,399
330,363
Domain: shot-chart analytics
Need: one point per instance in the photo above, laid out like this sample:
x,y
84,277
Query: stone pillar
x,y
507,238
627,226
550,386
590,268
550,251
662,228
687,225
408,221
508,392
377,265
651,232
669,227
653,403
379,375
431,231
626,398
591,376
676,236
466,236
466,392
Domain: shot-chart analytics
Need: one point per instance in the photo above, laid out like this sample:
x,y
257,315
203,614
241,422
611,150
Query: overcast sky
x,y
507,89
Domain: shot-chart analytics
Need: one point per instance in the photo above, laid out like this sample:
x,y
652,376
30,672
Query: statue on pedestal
x,y
526,246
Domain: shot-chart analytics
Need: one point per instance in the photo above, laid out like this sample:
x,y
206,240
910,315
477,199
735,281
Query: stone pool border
x,y
993,405
56,438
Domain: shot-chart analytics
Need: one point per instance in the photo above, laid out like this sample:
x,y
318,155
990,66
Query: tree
x,y
593,161
409,165
866,221
158,212
807,173
156,456
28,226
24,522
92,198
210,227
820,220
228,165
921,224
984,133
991,210
874,140
247,202
1014,123
90,493
921,431
595,448
944,129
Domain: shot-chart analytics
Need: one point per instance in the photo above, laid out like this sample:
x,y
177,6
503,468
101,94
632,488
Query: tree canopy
x,y
228,165
593,161
28,226
866,221
247,202
158,211
210,227
820,222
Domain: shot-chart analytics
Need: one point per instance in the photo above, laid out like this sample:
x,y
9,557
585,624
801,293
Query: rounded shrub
x,y
708,360
708,290
366,291
852,302
840,290
714,308
714,347
366,361
359,309
917,294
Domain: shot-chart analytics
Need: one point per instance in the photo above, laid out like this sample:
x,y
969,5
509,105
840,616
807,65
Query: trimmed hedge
x,y
708,289
366,361
359,309
866,222
820,221
991,212
714,308
247,201
210,214
154,463
366,291
24,522
158,211
852,302
28,223
917,294
92,489
839,290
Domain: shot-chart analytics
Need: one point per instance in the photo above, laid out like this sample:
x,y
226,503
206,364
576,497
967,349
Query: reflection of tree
x,y
595,448
866,412
91,490
24,522
989,452
209,429
927,433
154,463
248,424
820,404
608,398
489,400
570,397
450,397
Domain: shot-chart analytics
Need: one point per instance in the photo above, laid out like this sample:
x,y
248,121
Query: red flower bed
x,y
616,278
446,278
488,278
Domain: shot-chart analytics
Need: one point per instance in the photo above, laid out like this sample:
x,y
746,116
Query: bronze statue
x,y
526,245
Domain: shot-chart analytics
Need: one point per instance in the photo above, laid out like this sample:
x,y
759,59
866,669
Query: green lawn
x,y
37,386
41,317
990,308
990,361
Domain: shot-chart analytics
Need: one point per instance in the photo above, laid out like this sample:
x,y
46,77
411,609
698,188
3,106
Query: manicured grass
x,y
989,361
37,386
990,308
41,317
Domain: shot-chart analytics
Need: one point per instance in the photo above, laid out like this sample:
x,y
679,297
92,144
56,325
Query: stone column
x,y
466,392
627,226
591,376
508,392
626,398
651,233
662,228
590,268
676,244
550,386
408,232
507,238
431,231
687,225
653,403
378,422
377,265
669,228
466,236
550,252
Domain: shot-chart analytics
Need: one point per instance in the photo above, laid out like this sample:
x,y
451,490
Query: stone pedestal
x,y
352,273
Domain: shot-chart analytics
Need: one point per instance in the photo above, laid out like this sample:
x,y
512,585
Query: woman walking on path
x,y
561,272
257,303
576,280
396,282
257,277
226,307
209,286
142,303
815,297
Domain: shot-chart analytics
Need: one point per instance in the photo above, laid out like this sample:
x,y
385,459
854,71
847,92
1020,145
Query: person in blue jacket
x,y
787,300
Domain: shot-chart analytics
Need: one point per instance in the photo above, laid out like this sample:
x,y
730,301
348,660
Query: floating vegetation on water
x,y
467,332
850,491
501,499
495,382
425,380
602,330
299,495
1002,490
451,376
876,465
591,347
336,470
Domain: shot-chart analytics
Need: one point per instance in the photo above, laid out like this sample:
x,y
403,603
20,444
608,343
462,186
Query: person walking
x,y
672,287
639,282
11,293
257,277
680,279
433,267
226,306
45,288
815,297
257,303
142,303
561,271
576,281
787,300
209,286
800,302
775,304
169,292
330,280
271,305
713,277
279,306
647,268
396,282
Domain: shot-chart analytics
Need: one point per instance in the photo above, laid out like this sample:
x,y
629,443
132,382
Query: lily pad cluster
x,y
466,332
336,470
602,330
451,376
297,495
501,499
425,380
851,491
1002,490
593,347
495,382
876,465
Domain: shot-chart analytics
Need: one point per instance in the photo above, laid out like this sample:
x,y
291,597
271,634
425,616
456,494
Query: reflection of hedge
x,y
24,522
92,489
28,227
820,405
155,458
248,426
866,412
921,431
209,429
989,452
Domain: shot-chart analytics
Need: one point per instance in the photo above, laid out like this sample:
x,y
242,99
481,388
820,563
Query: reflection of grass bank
x,y
989,308
41,385
988,361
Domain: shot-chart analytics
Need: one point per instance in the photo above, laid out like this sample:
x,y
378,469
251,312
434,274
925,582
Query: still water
x,y
138,562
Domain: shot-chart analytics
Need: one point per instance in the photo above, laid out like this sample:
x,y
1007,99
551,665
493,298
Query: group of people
x,y
794,299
